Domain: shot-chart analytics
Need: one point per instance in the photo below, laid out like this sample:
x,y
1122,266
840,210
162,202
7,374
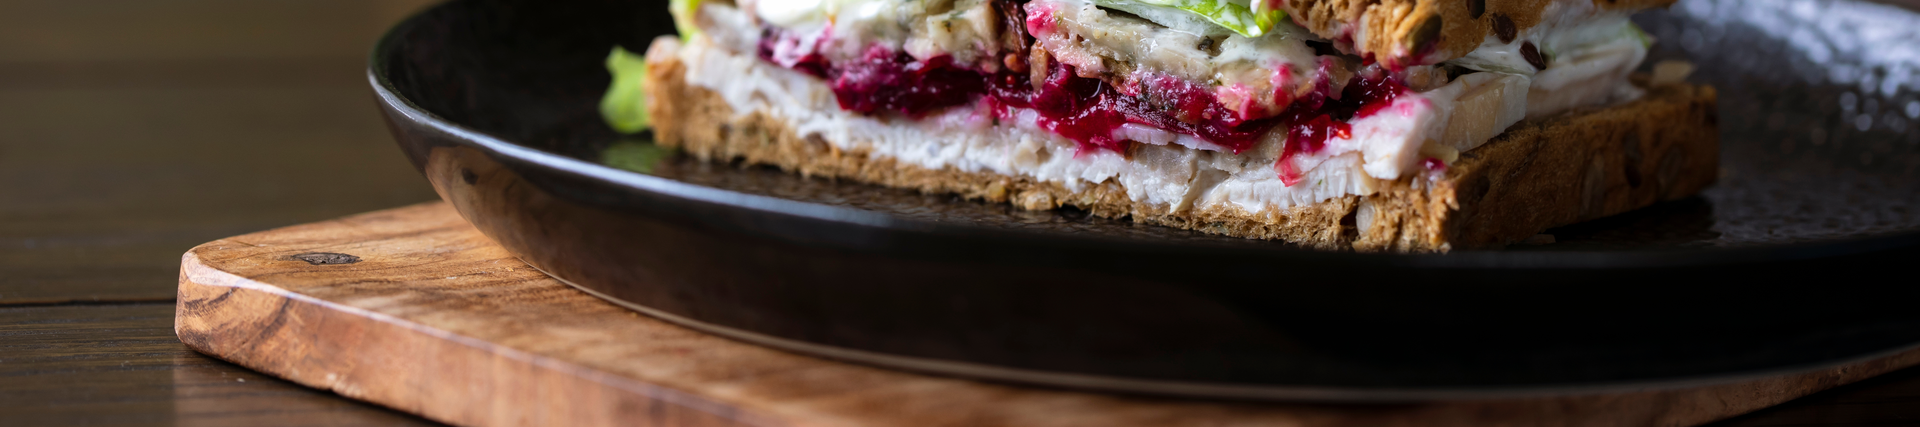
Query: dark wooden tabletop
x,y
133,130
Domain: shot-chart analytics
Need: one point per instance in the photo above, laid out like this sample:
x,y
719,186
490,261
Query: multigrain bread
x,y
1540,173
1391,29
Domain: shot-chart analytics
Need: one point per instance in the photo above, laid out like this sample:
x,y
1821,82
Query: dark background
x,y
132,130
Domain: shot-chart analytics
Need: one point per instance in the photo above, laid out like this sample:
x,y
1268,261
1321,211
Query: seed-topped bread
x,y
1418,32
1208,115
1540,173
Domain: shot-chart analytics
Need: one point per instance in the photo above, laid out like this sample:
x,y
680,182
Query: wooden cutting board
x,y
414,309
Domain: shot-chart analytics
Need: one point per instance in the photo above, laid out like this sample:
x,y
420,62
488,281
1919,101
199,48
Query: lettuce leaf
x,y
683,11
624,107
1267,8
1230,14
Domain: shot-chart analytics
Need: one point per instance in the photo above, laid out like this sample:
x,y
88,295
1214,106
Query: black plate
x,y
1798,258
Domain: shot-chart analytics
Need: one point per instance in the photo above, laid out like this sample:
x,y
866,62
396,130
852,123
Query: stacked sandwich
x,y
1382,125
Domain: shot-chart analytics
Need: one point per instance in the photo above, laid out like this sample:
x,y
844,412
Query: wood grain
x,y
435,319
119,364
1888,400
131,131
134,130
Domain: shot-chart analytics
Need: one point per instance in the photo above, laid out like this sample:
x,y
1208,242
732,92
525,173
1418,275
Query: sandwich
x,y
1381,125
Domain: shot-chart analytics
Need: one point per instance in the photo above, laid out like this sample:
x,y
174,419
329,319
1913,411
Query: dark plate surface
x,y
1798,258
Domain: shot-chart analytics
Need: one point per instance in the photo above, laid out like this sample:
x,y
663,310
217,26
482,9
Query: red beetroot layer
x,y
1089,111
883,79
1085,110
1312,127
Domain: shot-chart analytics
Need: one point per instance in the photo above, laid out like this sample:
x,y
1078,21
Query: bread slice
x,y
1541,173
1389,29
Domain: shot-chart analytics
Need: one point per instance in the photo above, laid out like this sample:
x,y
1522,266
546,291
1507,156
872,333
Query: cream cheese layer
x,y
1441,112
968,139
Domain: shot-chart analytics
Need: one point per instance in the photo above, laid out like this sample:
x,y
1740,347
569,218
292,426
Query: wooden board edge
x,y
263,327
460,379
1744,397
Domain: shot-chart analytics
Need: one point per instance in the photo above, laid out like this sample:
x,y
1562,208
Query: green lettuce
x,y
1265,9
625,105
682,11
1232,15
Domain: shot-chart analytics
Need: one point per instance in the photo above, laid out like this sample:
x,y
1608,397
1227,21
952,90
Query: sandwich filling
x,y
1184,102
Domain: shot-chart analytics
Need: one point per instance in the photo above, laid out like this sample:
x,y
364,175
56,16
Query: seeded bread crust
x,y
1392,28
1539,174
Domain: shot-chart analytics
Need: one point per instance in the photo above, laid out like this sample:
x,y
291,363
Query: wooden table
x,y
133,130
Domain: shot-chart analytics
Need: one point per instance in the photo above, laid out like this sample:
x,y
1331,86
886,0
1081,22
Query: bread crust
x,y
1406,27
1541,173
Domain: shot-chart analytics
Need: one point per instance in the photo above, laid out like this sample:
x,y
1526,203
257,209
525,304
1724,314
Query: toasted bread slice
x,y
1540,173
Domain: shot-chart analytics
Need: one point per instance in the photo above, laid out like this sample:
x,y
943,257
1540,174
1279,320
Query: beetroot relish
x,y
882,79
790,50
1362,97
1086,110
1089,110
894,81
1371,94
1307,137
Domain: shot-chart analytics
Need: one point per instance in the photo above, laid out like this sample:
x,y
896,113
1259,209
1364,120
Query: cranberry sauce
x,y
1308,137
1312,126
1089,110
1086,110
792,50
894,81
881,80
